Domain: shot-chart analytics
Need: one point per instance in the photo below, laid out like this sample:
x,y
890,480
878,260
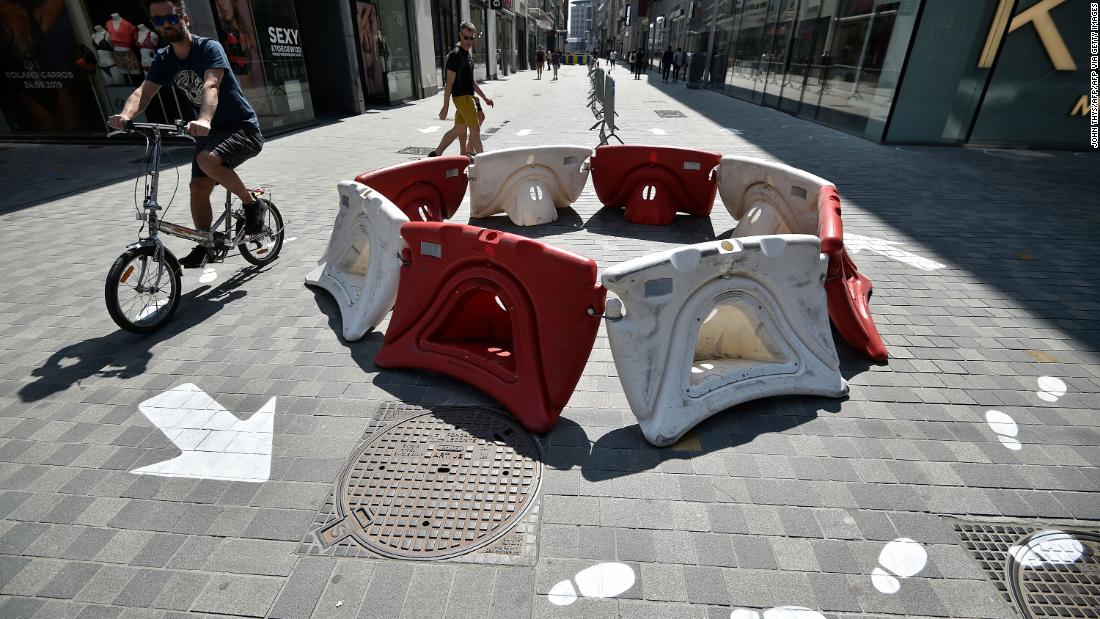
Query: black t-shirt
x,y
187,75
462,63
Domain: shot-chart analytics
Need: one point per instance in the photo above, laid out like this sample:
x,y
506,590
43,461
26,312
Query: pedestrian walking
x,y
540,59
666,63
631,58
556,61
677,63
640,64
611,57
462,87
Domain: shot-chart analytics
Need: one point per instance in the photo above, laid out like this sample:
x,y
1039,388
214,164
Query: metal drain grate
x,y
670,113
435,484
1052,572
415,150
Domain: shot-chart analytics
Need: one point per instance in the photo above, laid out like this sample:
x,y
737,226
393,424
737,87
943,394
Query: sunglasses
x,y
160,20
466,38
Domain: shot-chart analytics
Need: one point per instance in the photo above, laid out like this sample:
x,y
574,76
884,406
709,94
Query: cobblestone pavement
x,y
780,502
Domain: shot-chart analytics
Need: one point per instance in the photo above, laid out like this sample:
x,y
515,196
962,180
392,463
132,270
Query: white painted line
x,y
857,243
523,132
431,129
732,131
215,443
1005,427
603,580
900,559
656,131
1051,389
209,274
1050,547
779,612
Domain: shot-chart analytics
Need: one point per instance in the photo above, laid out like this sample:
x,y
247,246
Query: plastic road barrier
x,y
512,316
653,183
427,190
701,328
362,263
530,184
774,198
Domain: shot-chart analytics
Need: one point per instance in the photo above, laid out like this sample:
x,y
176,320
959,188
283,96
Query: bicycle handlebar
x,y
179,129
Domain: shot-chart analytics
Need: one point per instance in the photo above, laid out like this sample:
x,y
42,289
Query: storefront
x,y
64,72
479,16
505,24
989,72
386,66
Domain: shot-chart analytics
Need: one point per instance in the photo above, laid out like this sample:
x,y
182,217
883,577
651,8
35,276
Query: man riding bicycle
x,y
226,129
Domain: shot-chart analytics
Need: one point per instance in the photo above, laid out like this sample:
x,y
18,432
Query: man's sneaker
x,y
196,259
254,216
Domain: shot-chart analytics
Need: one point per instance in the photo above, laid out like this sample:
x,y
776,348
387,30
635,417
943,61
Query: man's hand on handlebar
x,y
118,122
198,128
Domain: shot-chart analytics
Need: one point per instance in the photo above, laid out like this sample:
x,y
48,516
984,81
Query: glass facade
x,y
833,61
385,53
68,65
996,72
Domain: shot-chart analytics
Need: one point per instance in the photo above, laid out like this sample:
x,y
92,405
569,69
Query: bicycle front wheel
x,y
143,291
264,248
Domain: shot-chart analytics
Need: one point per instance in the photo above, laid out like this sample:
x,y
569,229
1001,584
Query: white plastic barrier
x,y
527,183
361,265
699,329
769,197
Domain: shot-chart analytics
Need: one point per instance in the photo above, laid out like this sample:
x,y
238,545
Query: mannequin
x,y
147,44
123,36
105,58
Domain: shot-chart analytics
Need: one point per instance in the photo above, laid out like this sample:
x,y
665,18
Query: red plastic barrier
x,y
653,183
511,316
427,190
848,290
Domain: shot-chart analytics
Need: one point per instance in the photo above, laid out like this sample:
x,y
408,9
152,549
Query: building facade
x,y
295,59
980,72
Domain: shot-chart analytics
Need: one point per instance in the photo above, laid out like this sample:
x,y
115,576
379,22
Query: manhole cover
x,y
1044,571
435,484
415,150
670,113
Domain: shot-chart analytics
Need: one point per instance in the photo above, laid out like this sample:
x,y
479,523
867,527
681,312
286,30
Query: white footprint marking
x,y
293,238
901,558
603,580
209,274
1048,548
779,612
1051,389
1005,427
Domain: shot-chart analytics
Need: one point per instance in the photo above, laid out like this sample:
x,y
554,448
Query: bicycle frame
x,y
151,206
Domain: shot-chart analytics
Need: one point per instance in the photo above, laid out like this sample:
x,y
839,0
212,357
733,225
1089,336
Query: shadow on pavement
x,y
126,355
624,451
683,229
568,221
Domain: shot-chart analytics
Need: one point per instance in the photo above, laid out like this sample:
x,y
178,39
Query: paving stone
x,y
71,579
143,588
428,590
247,596
513,593
346,589
158,550
180,590
241,556
706,585
663,583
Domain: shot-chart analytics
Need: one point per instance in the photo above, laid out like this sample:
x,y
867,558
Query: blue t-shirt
x,y
187,75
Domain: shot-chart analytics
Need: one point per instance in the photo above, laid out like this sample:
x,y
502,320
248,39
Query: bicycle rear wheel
x,y
264,248
143,291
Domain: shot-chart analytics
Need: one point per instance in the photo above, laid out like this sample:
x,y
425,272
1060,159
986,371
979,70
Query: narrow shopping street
x,y
984,417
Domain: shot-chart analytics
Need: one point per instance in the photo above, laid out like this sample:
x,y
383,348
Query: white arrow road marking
x,y
731,131
215,443
431,129
658,131
857,243
523,132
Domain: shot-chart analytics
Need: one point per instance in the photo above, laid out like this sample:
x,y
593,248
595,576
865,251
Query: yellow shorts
x,y
465,112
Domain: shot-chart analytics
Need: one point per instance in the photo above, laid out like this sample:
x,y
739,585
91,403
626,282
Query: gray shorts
x,y
234,147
